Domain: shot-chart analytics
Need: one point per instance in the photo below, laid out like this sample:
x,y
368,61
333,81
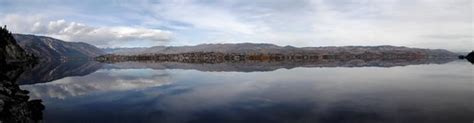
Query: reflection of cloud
x,y
297,95
325,94
100,81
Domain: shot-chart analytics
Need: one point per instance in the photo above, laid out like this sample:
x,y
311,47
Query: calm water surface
x,y
123,93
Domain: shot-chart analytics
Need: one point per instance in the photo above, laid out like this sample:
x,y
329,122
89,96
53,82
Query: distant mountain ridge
x,y
223,48
262,48
51,49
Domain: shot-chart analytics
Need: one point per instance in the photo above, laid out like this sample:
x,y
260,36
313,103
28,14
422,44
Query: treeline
x,y
216,57
11,52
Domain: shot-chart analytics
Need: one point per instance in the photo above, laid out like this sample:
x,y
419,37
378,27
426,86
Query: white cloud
x,y
414,23
202,17
100,36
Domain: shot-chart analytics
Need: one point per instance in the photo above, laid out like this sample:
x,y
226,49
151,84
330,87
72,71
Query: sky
x,y
446,24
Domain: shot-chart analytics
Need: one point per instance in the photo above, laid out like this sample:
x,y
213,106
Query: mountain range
x,y
262,48
51,49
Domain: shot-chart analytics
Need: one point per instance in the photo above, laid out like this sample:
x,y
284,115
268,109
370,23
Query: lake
x,y
253,92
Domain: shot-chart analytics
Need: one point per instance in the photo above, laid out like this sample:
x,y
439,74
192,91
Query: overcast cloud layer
x,y
444,24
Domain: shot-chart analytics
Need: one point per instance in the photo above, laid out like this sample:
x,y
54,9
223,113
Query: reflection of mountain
x,y
249,66
342,95
248,57
49,71
100,81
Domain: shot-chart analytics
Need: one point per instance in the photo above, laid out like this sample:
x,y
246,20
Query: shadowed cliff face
x,y
470,57
15,105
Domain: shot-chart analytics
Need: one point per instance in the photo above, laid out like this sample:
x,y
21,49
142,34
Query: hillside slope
x,y
50,49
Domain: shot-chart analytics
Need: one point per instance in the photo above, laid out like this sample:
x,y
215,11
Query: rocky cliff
x,y
15,106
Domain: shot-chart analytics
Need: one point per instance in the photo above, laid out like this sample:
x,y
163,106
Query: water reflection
x,y
251,66
99,81
54,70
50,71
177,92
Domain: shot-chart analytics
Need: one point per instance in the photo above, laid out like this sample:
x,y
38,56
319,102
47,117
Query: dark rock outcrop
x,y
15,106
470,57
51,49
